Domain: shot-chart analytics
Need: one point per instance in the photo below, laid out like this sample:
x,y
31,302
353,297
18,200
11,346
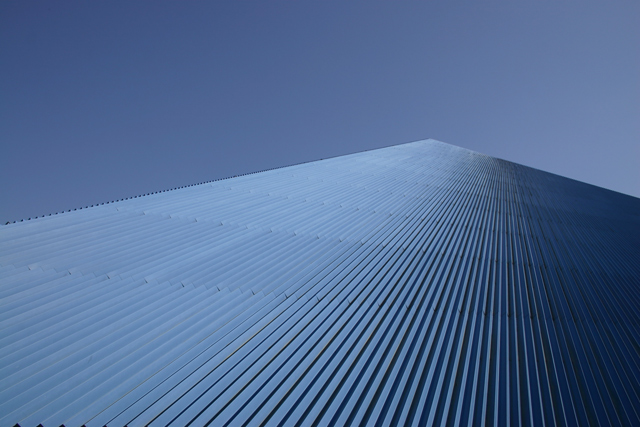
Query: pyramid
x,y
418,284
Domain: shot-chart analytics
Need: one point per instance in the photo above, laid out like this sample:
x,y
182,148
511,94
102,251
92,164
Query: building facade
x,y
418,284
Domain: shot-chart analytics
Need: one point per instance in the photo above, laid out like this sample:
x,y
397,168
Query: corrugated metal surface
x,y
418,284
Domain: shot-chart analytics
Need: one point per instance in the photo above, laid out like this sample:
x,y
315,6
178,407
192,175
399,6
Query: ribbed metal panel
x,y
418,284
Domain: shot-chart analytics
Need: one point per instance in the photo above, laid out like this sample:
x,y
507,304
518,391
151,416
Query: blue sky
x,y
106,100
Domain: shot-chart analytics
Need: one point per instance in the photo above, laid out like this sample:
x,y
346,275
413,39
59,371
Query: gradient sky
x,y
105,100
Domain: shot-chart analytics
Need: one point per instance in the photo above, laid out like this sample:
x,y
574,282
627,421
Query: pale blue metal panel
x,y
418,284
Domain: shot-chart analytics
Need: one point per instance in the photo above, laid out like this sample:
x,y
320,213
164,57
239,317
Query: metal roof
x,y
418,284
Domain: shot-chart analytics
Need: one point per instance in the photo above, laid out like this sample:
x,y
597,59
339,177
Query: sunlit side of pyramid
x,y
418,284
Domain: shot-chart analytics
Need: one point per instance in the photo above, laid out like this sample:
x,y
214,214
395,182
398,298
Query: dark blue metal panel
x,y
418,284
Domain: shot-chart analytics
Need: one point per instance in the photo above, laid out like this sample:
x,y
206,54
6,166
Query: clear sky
x,y
106,100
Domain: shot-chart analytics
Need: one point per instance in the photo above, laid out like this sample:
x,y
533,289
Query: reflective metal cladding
x,y
418,284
